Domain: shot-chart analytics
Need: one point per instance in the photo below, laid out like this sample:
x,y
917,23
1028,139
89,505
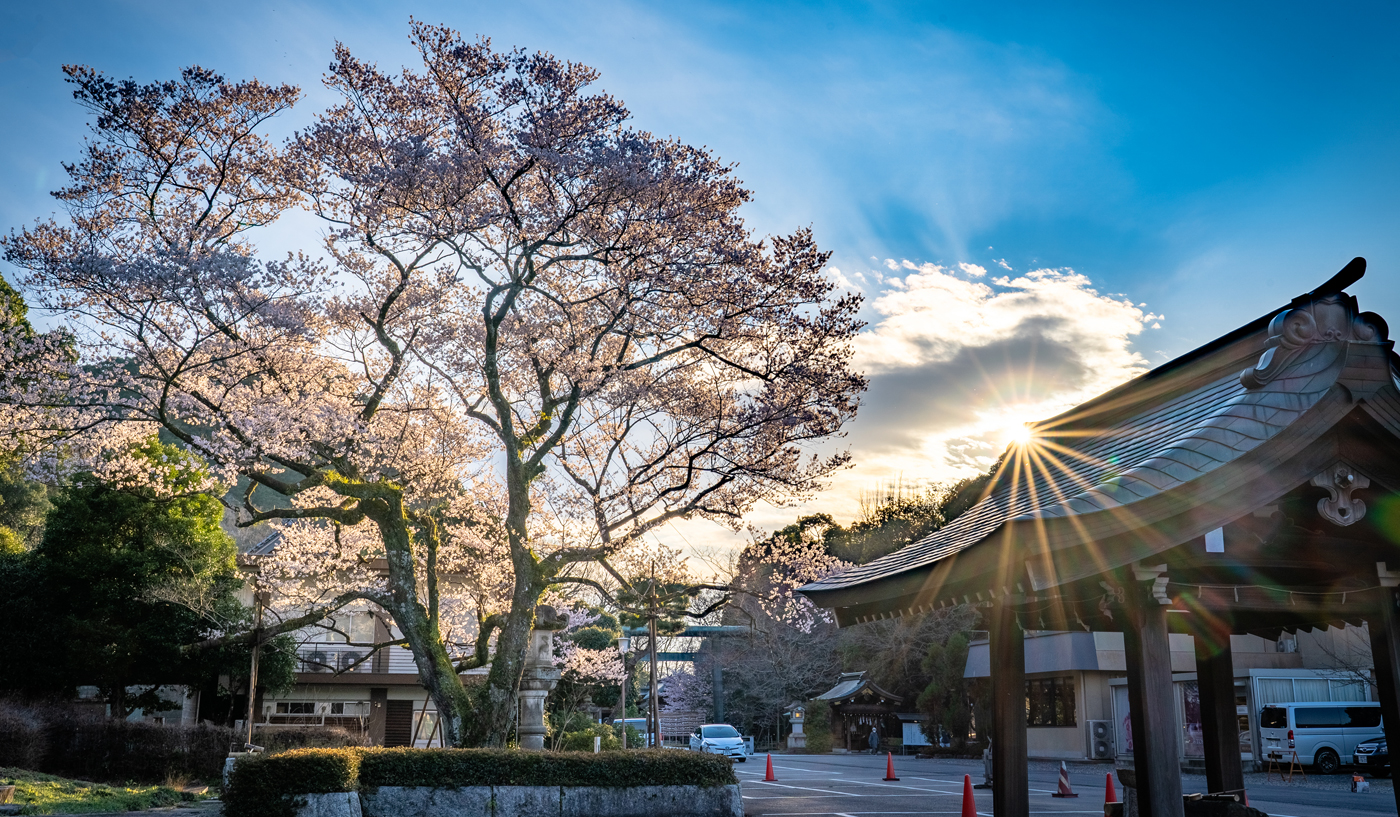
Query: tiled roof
x,y
1158,432
852,683
265,546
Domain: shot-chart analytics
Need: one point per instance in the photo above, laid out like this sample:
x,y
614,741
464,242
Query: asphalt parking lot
x,y
851,786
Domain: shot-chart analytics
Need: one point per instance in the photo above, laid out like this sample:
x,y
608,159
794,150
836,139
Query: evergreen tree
x,y
102,591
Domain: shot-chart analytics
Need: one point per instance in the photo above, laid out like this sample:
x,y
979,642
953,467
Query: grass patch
x,y
47,794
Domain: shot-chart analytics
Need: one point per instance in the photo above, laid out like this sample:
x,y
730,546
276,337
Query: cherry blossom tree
x,y
531,335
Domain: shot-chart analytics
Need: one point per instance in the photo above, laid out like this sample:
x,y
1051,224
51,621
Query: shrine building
x,y
1251,486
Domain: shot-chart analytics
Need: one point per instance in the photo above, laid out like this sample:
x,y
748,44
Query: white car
x,y
718,739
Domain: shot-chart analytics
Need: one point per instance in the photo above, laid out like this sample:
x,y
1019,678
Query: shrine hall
x,y
1249,486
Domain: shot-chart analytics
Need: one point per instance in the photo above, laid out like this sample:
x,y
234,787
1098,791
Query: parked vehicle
x,y
640,725
1372,756
718,739
1322,733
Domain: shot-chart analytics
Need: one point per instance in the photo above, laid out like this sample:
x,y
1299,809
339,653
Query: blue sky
x,y
1193,165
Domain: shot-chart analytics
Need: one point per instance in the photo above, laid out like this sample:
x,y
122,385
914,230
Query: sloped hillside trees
x,y
535,330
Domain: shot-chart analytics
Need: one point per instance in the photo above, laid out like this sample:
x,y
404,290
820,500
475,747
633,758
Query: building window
x,y
338,709
1050,702
296,708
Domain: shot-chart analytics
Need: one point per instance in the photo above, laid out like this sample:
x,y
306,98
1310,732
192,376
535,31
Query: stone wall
x,y
529,801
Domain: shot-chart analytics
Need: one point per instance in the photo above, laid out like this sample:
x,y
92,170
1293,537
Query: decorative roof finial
x,y
1325,319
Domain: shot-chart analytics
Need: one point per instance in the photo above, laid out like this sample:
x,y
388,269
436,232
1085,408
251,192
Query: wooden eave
x,y
1022,557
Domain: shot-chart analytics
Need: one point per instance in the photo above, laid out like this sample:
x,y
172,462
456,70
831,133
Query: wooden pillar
x,y
1385,653
1215,676
1156,759
1010,768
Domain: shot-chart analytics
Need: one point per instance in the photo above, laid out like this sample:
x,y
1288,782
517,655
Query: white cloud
x,y
956,363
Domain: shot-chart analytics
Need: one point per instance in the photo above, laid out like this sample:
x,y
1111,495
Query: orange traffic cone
x,y
1063,789
969,808
768,776
1110,794
889,766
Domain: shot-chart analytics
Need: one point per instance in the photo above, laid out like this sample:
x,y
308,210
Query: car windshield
x,y
1273,717
719,732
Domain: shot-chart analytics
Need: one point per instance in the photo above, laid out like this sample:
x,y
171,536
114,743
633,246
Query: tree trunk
x,y
498,702
435,668
499,699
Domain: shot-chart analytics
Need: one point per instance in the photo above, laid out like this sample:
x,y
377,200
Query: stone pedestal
x,y
797,716
797,740
539,677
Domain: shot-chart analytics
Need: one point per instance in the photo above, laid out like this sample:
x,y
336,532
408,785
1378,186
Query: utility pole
x,y
260,599
654,708
624,648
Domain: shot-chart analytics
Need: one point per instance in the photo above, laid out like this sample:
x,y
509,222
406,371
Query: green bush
x,y
496,767
492,767
274,741
818,727
582,739
269,785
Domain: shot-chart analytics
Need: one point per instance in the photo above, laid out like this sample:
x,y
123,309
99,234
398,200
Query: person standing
x,y
874,739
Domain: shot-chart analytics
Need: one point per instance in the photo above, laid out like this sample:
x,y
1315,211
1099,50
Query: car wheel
x,y
1380,773
743,760
1327,762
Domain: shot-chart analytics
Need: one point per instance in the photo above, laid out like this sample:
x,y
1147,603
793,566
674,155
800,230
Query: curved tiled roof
x,y
1158,432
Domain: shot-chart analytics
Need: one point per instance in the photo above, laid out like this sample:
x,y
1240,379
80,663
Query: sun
x,y
1019,434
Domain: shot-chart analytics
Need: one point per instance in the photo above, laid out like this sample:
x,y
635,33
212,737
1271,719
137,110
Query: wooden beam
x,y
1010,762
1215,677
1156,762
1385,653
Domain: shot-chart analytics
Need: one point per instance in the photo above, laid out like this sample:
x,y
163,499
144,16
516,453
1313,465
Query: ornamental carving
x,y
1340,507
1329,319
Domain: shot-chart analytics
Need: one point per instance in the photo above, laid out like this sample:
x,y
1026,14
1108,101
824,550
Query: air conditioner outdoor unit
x,y
1101,740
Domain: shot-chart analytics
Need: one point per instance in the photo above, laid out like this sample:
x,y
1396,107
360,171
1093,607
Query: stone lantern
x,y
539,677
797,715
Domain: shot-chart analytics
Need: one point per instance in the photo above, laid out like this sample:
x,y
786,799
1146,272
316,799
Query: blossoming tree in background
x,y
530,335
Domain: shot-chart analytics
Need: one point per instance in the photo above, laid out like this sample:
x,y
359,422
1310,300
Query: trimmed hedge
x,y
496,767
269,785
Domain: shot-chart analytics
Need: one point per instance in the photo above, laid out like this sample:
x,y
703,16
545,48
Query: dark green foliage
x,y
23,505
14,312
121,581
27,608
895,517
275,741
269,785
945,699
818,727
104,552
497,767
582,740
593,638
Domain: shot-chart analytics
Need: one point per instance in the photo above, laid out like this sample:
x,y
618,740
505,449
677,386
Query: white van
x,y
639,724
1322,733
